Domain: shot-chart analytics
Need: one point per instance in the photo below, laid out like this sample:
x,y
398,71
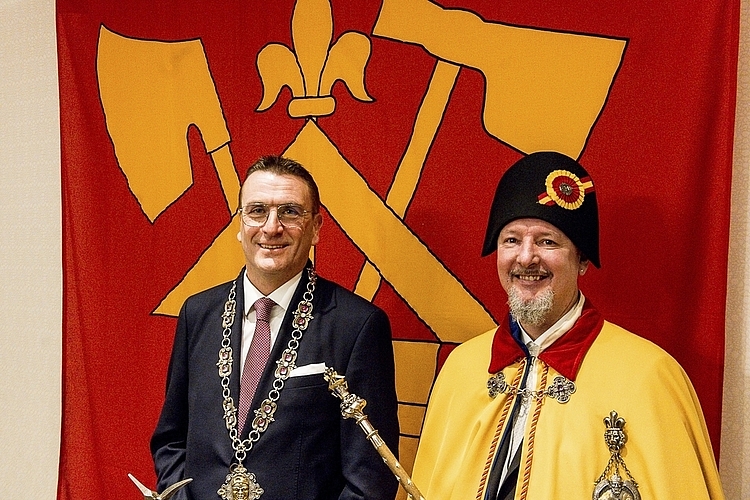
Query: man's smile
x,y
268,246
530,275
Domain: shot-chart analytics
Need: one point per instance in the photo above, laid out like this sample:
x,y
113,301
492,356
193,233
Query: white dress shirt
x,y
282,296
535,348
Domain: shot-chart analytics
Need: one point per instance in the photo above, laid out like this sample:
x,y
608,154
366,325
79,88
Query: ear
x,y
583,265
317,224
239,235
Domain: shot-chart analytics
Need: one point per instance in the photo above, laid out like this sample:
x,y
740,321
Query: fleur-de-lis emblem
x,y
615,436
612,485
311,69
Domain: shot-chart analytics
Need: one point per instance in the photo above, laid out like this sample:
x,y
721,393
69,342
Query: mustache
x,y
526,271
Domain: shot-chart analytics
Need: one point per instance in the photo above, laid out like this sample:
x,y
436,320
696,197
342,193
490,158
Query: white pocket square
x,y
311,369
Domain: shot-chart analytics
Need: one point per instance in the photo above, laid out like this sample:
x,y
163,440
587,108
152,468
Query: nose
x,y
273,224
527,253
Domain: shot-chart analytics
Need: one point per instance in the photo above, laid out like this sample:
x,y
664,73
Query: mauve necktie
x,y
260,349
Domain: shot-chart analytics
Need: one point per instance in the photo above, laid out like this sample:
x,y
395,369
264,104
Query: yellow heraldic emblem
x,y
153,91
544,89
315,65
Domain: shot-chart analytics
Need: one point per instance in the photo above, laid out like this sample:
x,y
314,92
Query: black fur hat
x,y
554,188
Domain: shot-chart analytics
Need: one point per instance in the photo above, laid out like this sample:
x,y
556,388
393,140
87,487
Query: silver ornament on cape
x,y
611,485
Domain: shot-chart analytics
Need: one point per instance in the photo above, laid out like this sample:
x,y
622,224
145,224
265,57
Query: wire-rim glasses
x,y
288,214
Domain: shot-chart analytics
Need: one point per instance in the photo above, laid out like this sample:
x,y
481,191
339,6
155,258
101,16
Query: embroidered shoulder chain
x,y
284,366
560,389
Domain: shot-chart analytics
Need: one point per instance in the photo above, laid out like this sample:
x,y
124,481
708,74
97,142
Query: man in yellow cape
x,y
557,403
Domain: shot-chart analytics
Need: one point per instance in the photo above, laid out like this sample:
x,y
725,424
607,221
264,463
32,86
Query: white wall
x,y
30,251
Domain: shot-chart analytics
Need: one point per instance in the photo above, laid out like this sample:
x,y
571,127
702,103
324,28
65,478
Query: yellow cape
x,y
668,451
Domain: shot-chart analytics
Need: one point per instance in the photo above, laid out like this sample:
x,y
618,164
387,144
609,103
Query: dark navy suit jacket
x,y
309,451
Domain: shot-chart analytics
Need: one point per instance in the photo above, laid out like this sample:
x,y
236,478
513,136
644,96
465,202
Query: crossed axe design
x,y
544,91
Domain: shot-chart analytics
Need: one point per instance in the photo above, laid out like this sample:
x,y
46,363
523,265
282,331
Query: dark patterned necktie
x,y
257,356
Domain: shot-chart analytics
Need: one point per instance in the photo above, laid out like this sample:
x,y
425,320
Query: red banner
x,y
407,113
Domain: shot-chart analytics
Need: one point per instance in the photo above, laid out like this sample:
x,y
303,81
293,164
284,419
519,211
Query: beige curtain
x,y
735,440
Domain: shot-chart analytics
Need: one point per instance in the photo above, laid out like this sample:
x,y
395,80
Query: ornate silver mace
x,y
351,407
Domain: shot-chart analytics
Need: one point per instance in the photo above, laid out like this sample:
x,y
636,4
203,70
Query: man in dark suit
x,y
293,443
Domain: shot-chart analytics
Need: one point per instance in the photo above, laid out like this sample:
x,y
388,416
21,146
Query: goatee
x,y
530,312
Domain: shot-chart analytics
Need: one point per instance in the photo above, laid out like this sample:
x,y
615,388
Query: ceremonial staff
x,y
351,407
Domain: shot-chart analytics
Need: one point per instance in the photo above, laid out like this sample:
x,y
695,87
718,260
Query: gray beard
x,y
533,312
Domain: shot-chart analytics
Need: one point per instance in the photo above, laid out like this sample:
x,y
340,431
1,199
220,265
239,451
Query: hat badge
x,y
565,189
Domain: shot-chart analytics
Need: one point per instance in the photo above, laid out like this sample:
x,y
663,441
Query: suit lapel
x,y
284,336
236,342
322,302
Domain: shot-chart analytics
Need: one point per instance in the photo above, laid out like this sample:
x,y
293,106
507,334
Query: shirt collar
x,y
557,330
565,354
282,296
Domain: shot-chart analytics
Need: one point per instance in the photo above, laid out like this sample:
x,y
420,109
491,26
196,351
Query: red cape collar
x,y
565,355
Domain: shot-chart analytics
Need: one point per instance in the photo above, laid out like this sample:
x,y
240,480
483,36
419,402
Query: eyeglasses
x,y
288,214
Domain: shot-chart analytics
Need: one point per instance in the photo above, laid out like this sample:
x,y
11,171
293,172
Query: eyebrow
x,y
516,233
274,204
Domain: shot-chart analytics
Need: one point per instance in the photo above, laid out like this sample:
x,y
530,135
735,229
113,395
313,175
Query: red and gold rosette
x,y
565,189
